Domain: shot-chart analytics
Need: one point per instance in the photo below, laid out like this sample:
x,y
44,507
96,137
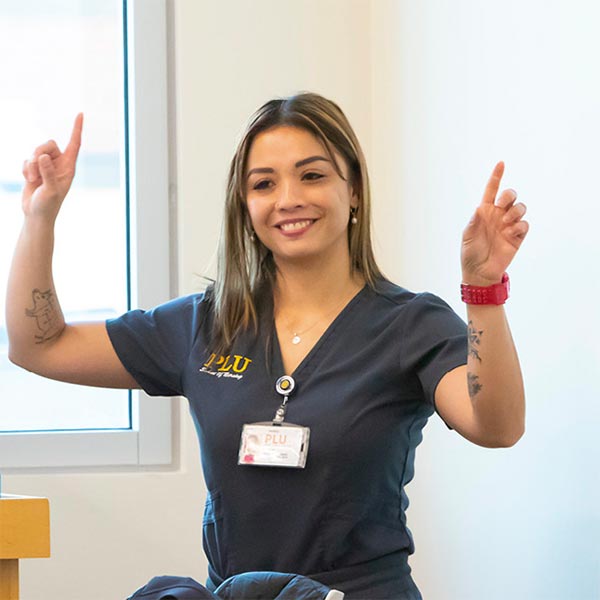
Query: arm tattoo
x,y
474,385
45,313
474,340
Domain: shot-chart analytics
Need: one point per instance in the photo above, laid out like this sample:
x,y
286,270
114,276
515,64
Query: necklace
x,y
297,335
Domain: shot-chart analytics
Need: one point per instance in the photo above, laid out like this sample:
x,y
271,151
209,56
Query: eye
x,y
312,176
262,185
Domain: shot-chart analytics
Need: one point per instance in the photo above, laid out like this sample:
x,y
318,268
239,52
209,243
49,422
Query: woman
x,y
305,474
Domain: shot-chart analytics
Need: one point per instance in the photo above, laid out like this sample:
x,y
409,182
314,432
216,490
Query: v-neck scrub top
x,y
366,390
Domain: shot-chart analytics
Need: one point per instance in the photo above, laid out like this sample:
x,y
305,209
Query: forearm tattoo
x,y
46,315
474,341
474,385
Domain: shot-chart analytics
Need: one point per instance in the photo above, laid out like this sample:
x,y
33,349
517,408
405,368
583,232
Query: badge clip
x,y
285,386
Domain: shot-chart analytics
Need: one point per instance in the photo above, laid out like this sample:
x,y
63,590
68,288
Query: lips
x,y
291,226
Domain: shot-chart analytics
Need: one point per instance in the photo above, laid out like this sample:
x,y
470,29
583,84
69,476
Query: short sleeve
x,y
154,345
434,341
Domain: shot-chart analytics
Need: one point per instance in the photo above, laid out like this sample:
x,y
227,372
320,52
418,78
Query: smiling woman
x,y
301,211
303,344
324,131
299,295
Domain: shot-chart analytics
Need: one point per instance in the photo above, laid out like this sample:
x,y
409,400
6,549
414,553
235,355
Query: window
x,y
112,244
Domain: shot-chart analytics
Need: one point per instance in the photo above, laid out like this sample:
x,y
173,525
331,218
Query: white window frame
x,y
149,442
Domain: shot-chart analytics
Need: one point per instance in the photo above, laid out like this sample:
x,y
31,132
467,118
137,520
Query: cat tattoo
x,y
45,313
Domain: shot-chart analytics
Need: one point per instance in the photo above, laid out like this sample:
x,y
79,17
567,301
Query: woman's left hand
x,y
493,235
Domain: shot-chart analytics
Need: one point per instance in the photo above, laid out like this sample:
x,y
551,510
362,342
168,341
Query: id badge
x,y
268,445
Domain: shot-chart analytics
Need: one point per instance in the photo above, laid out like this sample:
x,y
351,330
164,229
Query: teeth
x,y
296,225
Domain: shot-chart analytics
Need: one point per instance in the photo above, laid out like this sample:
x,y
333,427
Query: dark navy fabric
x,y
247,586
366,390
168,587
271,586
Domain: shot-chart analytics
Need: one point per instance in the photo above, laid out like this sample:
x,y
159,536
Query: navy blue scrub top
x,y
366,390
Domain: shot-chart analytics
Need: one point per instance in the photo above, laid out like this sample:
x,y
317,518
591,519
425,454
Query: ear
x,y
354,198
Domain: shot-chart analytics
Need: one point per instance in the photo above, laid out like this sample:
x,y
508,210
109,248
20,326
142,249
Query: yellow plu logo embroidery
x,y
226,366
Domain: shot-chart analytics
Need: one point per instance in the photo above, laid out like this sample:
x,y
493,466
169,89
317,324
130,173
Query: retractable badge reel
x,y
275,443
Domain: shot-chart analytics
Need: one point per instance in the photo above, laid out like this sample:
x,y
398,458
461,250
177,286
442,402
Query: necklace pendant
x,y
296,339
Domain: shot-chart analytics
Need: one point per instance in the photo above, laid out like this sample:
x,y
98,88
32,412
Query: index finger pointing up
x,y
491,189
75,141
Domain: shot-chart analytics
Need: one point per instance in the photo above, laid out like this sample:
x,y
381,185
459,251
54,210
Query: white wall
x,y
437,91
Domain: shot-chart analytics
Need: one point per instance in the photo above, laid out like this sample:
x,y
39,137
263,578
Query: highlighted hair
x,y
246,267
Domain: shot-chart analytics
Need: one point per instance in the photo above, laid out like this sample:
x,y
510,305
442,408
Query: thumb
x,y
47,170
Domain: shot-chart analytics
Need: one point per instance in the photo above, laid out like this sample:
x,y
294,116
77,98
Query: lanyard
x,y
284,386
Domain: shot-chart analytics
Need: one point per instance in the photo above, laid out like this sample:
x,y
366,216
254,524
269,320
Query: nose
x,y
289,197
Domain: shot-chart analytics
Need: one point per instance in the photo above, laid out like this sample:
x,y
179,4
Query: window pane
x,y
61,58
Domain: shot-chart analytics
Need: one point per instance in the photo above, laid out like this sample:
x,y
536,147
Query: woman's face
x,y
298,204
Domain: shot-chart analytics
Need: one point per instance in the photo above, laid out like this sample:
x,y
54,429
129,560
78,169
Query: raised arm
x,y
39,339
485,401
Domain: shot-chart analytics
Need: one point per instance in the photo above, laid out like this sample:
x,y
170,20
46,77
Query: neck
x,y
302,288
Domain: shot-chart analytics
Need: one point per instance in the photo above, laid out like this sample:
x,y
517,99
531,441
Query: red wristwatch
x,y
491,294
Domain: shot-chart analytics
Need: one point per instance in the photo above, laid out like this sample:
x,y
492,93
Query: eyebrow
x,y
297,165
310,159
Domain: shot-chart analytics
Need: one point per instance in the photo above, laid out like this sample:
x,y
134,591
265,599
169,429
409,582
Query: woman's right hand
x,y
79,353
49,174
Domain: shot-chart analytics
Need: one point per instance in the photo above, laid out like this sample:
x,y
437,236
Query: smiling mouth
x,y
296,225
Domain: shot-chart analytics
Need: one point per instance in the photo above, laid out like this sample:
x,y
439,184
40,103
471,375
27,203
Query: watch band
x,y
490,294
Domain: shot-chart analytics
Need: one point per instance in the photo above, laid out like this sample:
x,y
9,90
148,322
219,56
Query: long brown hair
x,y
245,266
